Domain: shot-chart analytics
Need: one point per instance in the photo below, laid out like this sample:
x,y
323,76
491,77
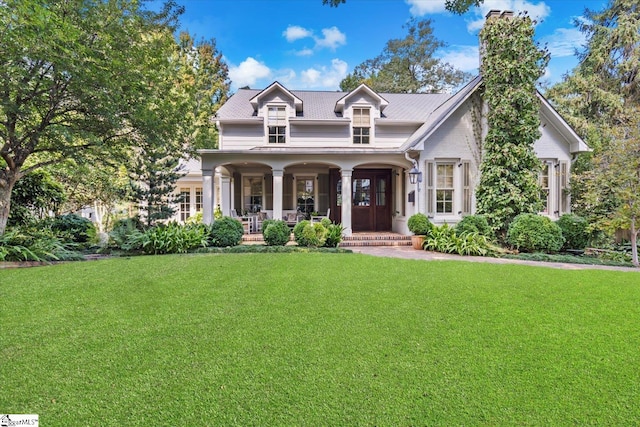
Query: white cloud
x,y
304,52
324,77
464,58
537,11
295,32
564,42
423,7
332,38
286,76
248,72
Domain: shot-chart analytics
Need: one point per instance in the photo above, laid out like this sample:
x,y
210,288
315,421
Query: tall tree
x,y
601,96
511,65
195,85
70,80
205,76
407,65
615,178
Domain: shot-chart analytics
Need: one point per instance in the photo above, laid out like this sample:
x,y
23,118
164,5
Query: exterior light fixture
x,y
415,176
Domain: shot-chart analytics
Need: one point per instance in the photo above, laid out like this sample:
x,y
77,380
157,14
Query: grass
x,y
318,339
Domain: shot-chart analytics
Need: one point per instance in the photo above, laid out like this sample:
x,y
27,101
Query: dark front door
x,y
371,203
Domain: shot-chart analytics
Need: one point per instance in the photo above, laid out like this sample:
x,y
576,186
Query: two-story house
x,y
284,151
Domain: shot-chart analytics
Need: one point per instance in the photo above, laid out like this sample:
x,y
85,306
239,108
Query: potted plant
x,y
420,226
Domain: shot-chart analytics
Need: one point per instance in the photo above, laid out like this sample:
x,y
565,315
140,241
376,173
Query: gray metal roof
x,y
319,105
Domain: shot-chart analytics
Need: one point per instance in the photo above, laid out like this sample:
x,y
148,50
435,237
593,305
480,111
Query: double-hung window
x,y
444,188
277,124
361,125
185,204
544,180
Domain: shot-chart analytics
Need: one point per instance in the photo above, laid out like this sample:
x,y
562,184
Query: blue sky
x,y
305,45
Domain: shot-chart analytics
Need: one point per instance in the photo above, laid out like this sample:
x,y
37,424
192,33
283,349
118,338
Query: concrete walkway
x,y
407,252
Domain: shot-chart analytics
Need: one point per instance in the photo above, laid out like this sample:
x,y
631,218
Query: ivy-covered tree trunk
x,y
511,66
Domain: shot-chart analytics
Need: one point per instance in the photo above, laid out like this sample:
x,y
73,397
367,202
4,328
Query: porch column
x,y
207,196
225,201
347,198
277,193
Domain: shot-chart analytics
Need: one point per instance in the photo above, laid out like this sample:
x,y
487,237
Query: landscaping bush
x,y
73,228
122,230
31,244
419,224
474,224
334,234
275,232
534,233
445,239
297,232
172,238
226,231
574,231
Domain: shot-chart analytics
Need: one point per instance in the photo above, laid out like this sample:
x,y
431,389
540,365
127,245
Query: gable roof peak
x,y
297,102
382,103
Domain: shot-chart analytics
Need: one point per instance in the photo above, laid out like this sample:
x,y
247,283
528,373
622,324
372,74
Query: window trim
x,y
280,122
451,189
360,127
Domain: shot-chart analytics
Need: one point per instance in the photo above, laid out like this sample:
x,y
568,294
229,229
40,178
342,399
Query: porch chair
x,y
247,223
318,218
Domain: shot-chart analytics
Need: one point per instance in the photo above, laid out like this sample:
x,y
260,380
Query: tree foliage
x,y
511,66
455,6
34,197
73,75
601,100
614,181
407,65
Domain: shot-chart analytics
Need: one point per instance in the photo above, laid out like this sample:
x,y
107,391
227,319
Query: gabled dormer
x,y
276,104
362,106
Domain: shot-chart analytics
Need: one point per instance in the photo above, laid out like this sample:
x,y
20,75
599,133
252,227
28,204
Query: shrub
x,y
119,237
22,244
275,232
226,231
172,238
73,228
419,224
574,231
195,219
315,235
474,224
534,233
445,239
297,232
334,234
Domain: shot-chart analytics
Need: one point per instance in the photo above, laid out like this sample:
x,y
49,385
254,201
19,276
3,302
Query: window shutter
x,y
466,187
430,189
563,189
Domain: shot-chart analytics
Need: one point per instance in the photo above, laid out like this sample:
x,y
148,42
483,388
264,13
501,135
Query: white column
x,y
347,198
277,193
207,196
225,189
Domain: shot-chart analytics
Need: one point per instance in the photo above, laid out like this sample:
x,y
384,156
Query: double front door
x,y
371,199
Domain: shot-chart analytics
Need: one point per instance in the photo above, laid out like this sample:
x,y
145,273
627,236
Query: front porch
x,y
362,194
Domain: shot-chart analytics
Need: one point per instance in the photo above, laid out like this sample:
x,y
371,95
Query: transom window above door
x,y
361,125
277,124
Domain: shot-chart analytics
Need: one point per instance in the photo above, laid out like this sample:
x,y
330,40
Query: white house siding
x,y
361,99
241,136
320,135
392,136
551,144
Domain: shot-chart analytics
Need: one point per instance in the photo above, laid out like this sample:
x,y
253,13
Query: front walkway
x,y
407,252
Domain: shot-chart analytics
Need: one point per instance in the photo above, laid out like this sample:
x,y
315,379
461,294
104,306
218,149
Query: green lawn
x,y
318,339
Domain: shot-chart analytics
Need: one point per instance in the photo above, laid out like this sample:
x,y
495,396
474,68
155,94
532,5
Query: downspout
x,y
417,166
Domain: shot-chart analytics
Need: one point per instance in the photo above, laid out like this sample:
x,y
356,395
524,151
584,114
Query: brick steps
x,y
357,239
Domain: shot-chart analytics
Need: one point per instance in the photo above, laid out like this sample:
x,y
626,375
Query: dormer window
x,y
277,124
361,125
